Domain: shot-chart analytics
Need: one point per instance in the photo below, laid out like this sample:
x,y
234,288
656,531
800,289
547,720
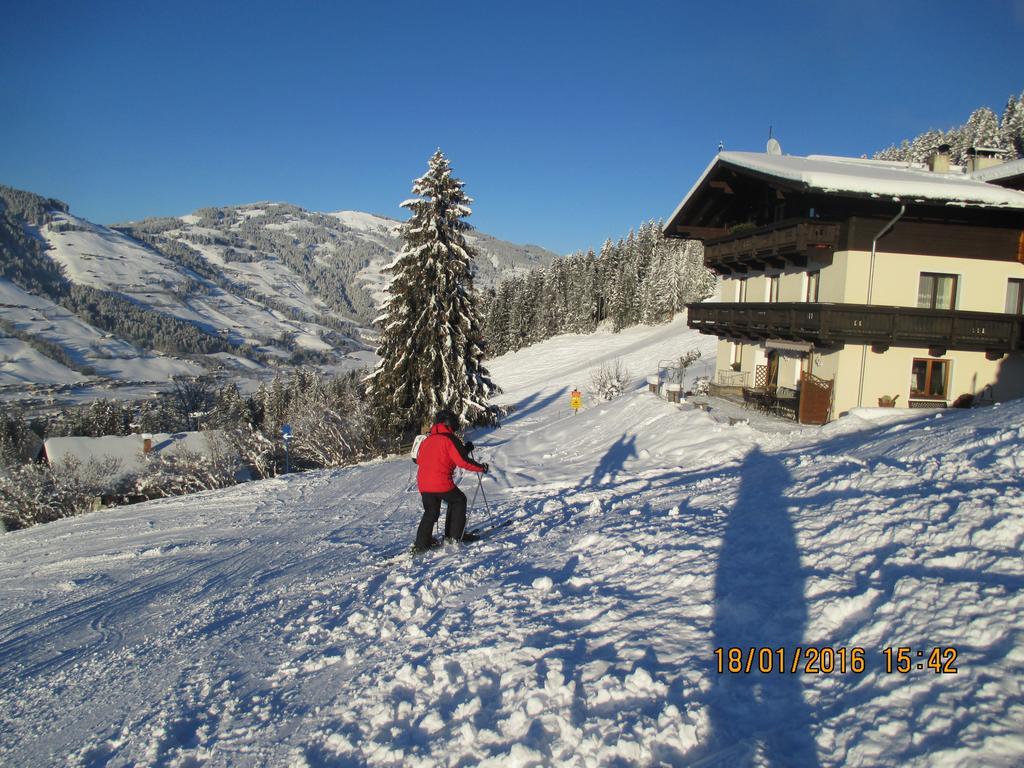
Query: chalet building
x,y
857,283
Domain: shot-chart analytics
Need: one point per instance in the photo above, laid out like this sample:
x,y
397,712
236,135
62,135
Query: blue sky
x,y
569,122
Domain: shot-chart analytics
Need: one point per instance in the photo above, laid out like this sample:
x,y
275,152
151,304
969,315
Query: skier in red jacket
x,y
438,456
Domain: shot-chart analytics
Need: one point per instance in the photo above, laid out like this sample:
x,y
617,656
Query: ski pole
x,y
480,485
473,502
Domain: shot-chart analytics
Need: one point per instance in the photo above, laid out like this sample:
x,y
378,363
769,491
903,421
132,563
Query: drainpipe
x,y
871,284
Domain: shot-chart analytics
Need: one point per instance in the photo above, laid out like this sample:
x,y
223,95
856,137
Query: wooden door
x,y
815,399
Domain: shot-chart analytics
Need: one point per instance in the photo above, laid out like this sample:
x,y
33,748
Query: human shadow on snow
x,y
759,603
614,460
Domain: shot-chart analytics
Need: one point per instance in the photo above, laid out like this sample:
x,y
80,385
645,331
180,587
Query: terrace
x,y
831,325
789,243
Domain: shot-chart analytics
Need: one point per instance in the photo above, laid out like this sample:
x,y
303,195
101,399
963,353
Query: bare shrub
x,y
609,381
38,493
190,471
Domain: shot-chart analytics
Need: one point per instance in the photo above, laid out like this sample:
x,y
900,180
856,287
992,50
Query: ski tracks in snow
x,y
256,627
535,646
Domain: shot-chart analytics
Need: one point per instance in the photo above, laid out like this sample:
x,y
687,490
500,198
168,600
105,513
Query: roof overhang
x,y
837,176
1009,174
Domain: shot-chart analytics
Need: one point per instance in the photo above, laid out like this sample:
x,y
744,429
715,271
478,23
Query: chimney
x,y
939,161
979,158
147,444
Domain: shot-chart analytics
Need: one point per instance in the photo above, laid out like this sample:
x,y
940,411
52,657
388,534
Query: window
x,y
936,291
773,288
1015,296
928,379
812,287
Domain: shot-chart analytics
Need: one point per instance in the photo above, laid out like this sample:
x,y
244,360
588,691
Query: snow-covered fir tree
x,y
431,351
1011,128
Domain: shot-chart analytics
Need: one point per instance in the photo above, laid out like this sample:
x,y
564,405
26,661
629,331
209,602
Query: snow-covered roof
x,y
126,449
1001,171
909,182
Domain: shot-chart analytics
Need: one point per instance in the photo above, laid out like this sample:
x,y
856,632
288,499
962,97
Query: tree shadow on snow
x,y
759,603
534,403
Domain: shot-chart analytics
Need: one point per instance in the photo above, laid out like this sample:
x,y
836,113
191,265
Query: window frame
x,y
929,363
935,292
1019,282
813,281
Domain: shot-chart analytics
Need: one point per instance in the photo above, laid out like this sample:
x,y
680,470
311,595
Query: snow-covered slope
x,y
36,317
268,285
266,624
108,259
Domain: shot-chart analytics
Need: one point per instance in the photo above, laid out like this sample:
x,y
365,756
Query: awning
x,y
783,345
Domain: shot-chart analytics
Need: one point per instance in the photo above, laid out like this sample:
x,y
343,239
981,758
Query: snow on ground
x,y
86,345
106,259
368,222
20,364
100,257
267,276
265,624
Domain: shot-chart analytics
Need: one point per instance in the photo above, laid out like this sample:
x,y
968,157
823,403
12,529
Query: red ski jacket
x,y
437,459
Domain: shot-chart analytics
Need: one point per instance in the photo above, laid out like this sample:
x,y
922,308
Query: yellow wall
x,y
888,373
981,286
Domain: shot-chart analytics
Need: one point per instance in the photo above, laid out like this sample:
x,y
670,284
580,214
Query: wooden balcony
x,y
789,243
829,325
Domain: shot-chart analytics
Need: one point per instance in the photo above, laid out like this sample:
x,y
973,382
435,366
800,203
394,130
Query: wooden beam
x,y
700,233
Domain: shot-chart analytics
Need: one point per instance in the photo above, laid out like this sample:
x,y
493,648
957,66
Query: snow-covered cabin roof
x,y
999,173
847,176
126,449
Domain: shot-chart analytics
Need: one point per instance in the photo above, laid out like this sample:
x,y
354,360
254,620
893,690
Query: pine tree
x,y
980,130
1011,128
430,344
657,292
229,410
520,314
607,276
499,319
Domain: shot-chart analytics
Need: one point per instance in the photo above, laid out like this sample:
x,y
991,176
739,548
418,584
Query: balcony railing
x,y
827,325
778,245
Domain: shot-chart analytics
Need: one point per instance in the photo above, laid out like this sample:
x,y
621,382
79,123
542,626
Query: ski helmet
x,y
447,418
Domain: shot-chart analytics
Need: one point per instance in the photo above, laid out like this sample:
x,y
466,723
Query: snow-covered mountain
x,y
244,288
271,624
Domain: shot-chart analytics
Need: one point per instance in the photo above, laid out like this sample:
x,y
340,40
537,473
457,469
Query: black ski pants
x,y
454,522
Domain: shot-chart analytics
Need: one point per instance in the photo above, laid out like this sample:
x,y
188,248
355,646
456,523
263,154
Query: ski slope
x,y
265,624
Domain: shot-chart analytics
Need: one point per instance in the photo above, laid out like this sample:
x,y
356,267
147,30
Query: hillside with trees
x,y
644,278
983,129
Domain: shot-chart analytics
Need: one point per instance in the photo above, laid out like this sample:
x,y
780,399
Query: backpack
x,y
416,446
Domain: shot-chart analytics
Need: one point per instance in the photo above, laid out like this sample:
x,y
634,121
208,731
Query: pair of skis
x,y
480,533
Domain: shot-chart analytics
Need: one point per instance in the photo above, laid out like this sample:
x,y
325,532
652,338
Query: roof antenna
x,y
773,148
721,145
